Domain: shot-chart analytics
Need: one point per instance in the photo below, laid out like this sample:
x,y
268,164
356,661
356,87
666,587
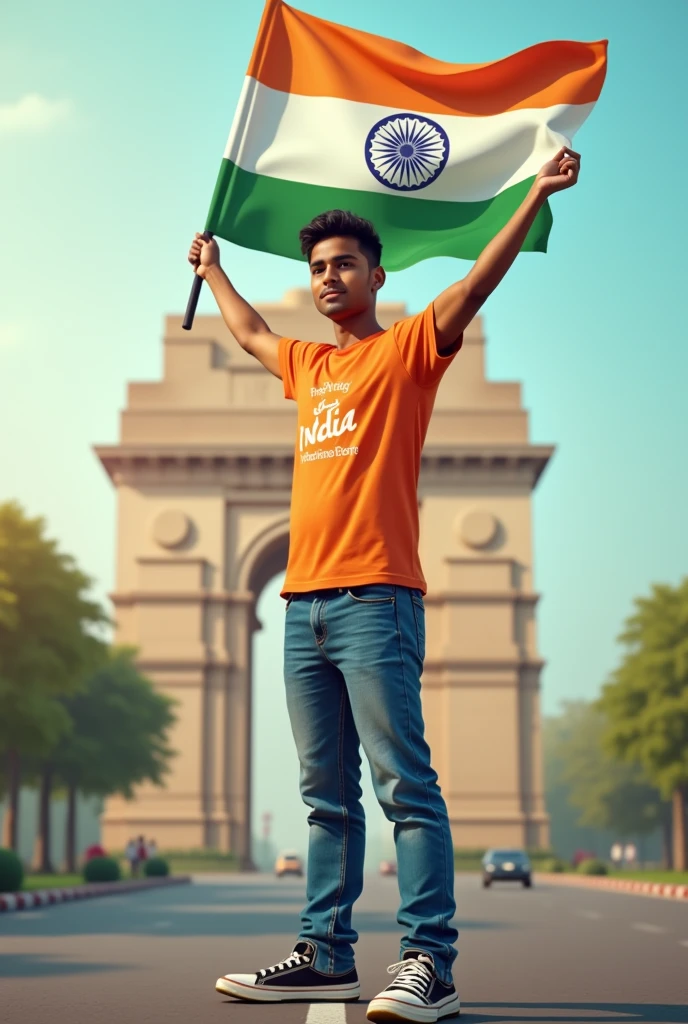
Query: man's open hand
x,y
203,254
559,173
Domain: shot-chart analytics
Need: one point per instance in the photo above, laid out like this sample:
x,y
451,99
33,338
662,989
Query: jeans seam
x,y
415,620
442,921
345,830
321,646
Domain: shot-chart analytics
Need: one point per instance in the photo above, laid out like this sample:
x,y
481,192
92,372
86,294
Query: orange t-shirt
x,y
363,414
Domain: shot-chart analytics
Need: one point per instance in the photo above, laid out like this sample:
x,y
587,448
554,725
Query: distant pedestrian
x,y
131,856
141,851
152,849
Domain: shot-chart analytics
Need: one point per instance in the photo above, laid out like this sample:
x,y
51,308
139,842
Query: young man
x,y
355,629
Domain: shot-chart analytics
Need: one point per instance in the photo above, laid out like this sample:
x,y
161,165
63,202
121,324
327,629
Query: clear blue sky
x,y
113,119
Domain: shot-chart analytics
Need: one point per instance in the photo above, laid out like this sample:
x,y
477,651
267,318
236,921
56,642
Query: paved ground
x,y
544,955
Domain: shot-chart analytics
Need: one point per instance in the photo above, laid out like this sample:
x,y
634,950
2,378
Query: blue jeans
x,y
352,666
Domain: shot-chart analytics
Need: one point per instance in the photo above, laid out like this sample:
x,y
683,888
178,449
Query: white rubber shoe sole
x,y
388,1008
246,989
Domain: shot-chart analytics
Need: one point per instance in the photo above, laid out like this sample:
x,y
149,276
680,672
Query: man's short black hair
x,y
342,222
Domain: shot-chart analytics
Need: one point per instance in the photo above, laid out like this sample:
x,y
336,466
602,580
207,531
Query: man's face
x,y
342,281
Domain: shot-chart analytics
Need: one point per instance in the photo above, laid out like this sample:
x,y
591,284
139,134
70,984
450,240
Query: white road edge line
x,y
594,915
326,1013
683,942
653,928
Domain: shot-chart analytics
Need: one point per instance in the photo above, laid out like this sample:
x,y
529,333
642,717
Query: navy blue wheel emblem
x,y
406,151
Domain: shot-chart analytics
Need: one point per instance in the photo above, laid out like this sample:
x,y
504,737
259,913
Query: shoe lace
x,y
415,976
293,960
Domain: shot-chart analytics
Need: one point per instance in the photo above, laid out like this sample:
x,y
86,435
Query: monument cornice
x,y
128,598
239,463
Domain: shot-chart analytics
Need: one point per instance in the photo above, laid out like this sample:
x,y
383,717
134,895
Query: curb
x,y
663,890
48,897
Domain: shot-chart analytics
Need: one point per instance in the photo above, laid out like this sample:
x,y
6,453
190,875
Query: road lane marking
x,y
683,942
326,1013
654,929
594,915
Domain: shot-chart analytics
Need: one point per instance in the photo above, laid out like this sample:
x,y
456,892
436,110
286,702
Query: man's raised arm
x,y
456,307
247,326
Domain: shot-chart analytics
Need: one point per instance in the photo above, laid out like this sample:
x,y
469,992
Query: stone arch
x,y
265,556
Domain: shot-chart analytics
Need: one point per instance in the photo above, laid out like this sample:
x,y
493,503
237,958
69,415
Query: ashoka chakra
x,y
406,152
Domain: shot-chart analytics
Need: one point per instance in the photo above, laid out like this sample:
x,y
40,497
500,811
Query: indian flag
x,y
437,155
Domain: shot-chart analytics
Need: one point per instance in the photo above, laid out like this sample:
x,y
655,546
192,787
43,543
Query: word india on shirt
x,y
328,424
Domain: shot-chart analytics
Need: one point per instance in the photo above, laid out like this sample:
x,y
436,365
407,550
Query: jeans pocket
x,y
373,593
419,616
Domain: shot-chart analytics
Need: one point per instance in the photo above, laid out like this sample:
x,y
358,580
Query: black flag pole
x,y
196,286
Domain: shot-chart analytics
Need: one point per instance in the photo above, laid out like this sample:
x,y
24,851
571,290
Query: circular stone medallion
x,y
171,528
478,528
406,152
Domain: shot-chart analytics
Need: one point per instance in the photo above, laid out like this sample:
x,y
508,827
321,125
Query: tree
x,y
609,793
47,644
118,738
646,700
8,621
8,603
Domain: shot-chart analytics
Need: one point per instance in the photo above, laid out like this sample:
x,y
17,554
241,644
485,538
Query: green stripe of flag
x,y
265,213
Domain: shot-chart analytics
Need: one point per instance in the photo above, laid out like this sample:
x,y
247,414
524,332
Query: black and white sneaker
x,y
293,980
416,994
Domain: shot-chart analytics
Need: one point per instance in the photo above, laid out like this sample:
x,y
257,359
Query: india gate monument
x,y
203,474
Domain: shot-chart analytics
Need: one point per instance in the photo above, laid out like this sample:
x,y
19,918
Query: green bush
x,y
199,854
102,869
156,867
191,861
592,866
11,871
538,857
553,866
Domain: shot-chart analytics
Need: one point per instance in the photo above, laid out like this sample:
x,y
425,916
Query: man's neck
x,y
355,328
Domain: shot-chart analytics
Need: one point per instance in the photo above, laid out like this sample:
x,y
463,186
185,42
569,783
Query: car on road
x,y
506,866
289,864
388,867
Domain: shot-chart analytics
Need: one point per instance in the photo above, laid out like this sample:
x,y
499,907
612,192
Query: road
x,y
546,955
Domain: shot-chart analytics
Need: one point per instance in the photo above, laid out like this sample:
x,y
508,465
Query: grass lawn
x,y
675,877
32,882
188,864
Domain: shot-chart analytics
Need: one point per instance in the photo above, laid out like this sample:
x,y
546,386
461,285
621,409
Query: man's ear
x,y
379,278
